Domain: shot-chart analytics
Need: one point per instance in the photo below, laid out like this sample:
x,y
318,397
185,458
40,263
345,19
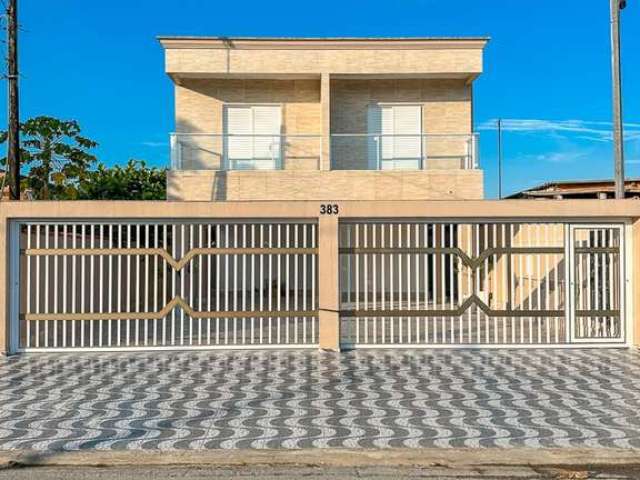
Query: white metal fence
x,y
120,284
469,284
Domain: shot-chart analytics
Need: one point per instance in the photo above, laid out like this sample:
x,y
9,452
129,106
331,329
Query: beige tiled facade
x,y
446,111
208,185
267,57
436,74
199,105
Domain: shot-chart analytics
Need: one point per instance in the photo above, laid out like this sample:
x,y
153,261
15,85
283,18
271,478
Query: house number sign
x,y
329,209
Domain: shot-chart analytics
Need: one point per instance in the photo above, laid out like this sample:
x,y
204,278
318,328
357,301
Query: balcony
x,y
204,151
400,152
404,152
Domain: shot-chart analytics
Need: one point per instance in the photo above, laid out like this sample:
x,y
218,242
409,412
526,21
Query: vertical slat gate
x,y
154,285
426,283
597,316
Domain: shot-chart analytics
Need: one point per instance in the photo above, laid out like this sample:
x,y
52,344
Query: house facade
x,y
323,118
324,193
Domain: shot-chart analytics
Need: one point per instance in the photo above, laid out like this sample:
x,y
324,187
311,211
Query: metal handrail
x,y
281,135
278,139
469,159
404,134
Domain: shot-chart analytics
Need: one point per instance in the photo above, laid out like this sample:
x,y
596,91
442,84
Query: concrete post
x,y
328,283
616,97
325,100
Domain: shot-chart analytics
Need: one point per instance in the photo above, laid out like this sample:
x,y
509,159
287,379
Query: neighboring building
x,y
601,189
324,118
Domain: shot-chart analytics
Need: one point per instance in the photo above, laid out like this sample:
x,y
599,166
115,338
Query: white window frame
x,y
226,162
375,162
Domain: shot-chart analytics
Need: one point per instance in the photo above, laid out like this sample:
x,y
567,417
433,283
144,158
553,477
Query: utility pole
x,y
500,159
618,148
13,130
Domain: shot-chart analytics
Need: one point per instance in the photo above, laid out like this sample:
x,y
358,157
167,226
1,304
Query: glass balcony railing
x,y
204,151
403,152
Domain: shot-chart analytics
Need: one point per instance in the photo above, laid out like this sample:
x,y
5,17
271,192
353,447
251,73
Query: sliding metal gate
x,y
197,284
424,283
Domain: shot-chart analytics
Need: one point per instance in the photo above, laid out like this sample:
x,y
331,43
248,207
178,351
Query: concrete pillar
x,y
328,283
325,101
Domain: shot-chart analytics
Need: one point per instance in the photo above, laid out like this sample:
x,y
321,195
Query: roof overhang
x,y
357,58
336,43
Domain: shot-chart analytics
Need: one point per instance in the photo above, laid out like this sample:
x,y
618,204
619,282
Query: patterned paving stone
x,y
298,399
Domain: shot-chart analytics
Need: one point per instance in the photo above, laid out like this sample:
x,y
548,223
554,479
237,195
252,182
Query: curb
x,y
455,457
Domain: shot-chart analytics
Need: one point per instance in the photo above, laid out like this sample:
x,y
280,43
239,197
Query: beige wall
x,y
199,105
325,185
186,57
446,109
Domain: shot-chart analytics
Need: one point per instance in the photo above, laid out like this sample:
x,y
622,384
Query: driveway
x,y
299,399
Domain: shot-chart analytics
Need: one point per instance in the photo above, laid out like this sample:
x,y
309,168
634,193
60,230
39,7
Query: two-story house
x,y
324,118
305,170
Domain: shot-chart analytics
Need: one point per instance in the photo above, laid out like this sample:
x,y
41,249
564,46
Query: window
x,y
252,140
395,141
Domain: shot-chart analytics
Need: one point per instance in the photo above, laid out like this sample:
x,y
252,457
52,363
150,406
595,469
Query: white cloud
x,y
557,157
561,157
632,134
587,130
155,144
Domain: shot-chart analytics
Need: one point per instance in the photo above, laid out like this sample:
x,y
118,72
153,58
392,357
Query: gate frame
x,y
14,286
571,290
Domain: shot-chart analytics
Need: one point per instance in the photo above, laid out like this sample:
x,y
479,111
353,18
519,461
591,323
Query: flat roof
x,y
321,39
335,43
575,187
554,183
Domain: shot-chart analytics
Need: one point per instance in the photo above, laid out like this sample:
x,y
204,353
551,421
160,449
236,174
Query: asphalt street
x,y
196,472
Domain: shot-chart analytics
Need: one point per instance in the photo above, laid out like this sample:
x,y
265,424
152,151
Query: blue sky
x,y
547,70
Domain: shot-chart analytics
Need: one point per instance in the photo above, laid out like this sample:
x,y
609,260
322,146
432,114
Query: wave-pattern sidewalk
x,y
302,399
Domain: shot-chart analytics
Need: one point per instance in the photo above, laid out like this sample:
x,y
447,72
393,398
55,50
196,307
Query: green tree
x,y
54,157
134,181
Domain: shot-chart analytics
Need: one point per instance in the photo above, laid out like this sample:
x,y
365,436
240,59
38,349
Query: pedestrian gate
x,y
421,283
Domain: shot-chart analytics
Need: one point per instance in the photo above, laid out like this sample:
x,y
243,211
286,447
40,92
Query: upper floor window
x,y
252,137
395,137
